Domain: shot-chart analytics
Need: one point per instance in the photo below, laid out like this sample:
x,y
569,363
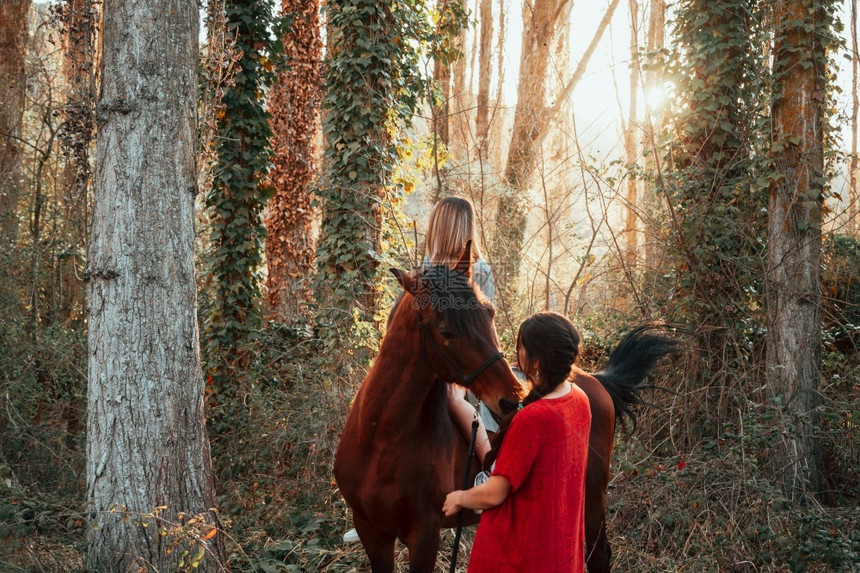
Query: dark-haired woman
x,y
534,501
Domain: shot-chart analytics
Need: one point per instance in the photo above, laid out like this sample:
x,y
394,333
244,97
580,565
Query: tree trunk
x,y
654,117
80,26
80,21
485,70
630,146
461,97
148,466
794,239
294,108
853,198
13,40
236,201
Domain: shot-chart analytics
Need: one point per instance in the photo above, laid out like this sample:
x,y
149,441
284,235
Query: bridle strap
x,y
487,363
463,380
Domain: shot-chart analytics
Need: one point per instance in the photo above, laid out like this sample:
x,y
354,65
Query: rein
x,y
465,486
463,380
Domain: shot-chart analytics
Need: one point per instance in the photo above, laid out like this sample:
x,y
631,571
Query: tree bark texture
x,y
294,107
148,467
13,41
794,239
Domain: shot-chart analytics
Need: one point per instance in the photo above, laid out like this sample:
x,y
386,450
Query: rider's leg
x,y
463,413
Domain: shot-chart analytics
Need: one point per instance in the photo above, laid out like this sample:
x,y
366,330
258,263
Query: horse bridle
x,y
463,380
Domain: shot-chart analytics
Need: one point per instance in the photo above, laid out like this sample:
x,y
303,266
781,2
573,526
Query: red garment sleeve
x,y
519,450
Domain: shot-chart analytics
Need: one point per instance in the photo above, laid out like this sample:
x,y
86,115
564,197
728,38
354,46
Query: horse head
x,y
458,334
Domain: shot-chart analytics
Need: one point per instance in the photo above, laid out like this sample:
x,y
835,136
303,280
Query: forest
x,y
200,203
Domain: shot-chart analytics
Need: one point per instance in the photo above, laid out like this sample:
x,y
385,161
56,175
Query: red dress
x,y
540,526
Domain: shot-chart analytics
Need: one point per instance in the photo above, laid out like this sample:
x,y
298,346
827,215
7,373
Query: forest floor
x,y
675,503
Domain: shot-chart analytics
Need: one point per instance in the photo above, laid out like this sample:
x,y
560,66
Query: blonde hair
x,y
451,225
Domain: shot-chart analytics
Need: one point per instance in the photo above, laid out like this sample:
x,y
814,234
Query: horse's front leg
x,y
378,546
423,546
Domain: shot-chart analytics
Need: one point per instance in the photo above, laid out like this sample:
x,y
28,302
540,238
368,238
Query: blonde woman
x,y
452,224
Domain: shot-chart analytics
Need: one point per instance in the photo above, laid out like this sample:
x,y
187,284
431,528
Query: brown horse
x,y
400,453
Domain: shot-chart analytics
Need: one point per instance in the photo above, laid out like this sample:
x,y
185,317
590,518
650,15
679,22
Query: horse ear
x,y
464,265
406,280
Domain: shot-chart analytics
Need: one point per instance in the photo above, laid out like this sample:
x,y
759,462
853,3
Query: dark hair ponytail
x,y
551,339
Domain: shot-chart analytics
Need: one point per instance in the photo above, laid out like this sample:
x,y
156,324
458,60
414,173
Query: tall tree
x,y
461,92
13,39
446,51
147,451
294,108
80,20
802,30
541,20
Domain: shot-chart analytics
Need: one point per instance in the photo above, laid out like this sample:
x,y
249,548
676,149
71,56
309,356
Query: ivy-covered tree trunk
x,y
372,90
80,20
13,40
801,30
238,195
294,108
147,451
715,189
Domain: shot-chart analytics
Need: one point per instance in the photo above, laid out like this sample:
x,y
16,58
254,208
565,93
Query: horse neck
x,y
400,380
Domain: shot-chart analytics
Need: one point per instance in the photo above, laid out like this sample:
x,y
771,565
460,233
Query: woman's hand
x,y
452,503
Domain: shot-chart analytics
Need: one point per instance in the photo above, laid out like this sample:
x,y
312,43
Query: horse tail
x,y
630,364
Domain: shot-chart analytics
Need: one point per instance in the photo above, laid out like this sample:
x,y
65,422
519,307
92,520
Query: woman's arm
x,y
489,494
